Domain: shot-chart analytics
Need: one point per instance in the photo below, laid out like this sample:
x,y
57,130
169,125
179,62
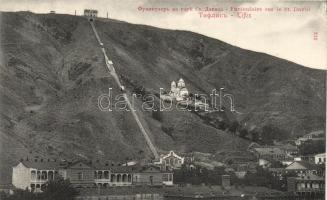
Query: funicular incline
x,y
114,74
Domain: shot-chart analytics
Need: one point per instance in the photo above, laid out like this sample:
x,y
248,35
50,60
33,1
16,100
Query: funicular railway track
x,y
114,74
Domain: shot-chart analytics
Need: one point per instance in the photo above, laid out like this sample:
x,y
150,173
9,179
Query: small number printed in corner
x,y
315,35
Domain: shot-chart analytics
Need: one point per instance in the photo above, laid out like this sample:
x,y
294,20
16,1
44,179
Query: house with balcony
x,y
320,158
34,175
307,186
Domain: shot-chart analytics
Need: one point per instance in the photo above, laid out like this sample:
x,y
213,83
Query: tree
x,y
312,147
243,133
59,189
271,133
255,136
234,127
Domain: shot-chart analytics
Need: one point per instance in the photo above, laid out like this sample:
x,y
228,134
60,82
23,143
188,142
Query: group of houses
x,y
34,174
305,174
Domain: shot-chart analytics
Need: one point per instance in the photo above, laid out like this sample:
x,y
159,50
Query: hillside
x,y
52,72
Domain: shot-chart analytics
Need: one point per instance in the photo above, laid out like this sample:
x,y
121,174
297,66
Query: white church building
x,y
170,161
179,91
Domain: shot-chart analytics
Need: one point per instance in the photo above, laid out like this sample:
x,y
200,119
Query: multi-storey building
x,y
320,158
310,185
34,175
313,136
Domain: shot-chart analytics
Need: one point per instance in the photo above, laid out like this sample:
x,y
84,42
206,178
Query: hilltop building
x,y
91,14
179,91
34,175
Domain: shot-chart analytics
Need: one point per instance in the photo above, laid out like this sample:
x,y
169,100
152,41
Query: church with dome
x,y
179,91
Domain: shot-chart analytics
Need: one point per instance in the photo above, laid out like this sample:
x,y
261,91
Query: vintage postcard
x,y
163,99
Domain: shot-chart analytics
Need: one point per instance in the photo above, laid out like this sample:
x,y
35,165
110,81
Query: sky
x,y
300,37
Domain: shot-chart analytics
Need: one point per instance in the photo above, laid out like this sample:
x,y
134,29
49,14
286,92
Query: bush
x,y
312,147
58,189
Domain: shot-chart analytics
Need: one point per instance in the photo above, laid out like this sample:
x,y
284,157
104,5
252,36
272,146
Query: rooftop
x,y
54,165
321,154
269,150
301,165
310,177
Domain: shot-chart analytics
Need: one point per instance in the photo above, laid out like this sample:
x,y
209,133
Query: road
x,y
113,73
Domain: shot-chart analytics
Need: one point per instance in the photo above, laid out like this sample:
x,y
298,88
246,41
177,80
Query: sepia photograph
x,y
163,99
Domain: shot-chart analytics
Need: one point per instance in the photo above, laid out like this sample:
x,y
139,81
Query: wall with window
x,y
21,176
80,177
148,178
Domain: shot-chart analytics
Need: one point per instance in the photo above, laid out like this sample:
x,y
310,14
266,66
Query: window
x,y
165,177
33,175
151,180
99,174
80,175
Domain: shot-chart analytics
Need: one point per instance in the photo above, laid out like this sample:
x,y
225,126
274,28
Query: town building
x,y
313,136
302,168
320,158
290,150
269,153
79,173
311,185
35,174
307,158
170,161
152,175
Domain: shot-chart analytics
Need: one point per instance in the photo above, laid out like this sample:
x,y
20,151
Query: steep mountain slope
x,y
267,90
52,73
